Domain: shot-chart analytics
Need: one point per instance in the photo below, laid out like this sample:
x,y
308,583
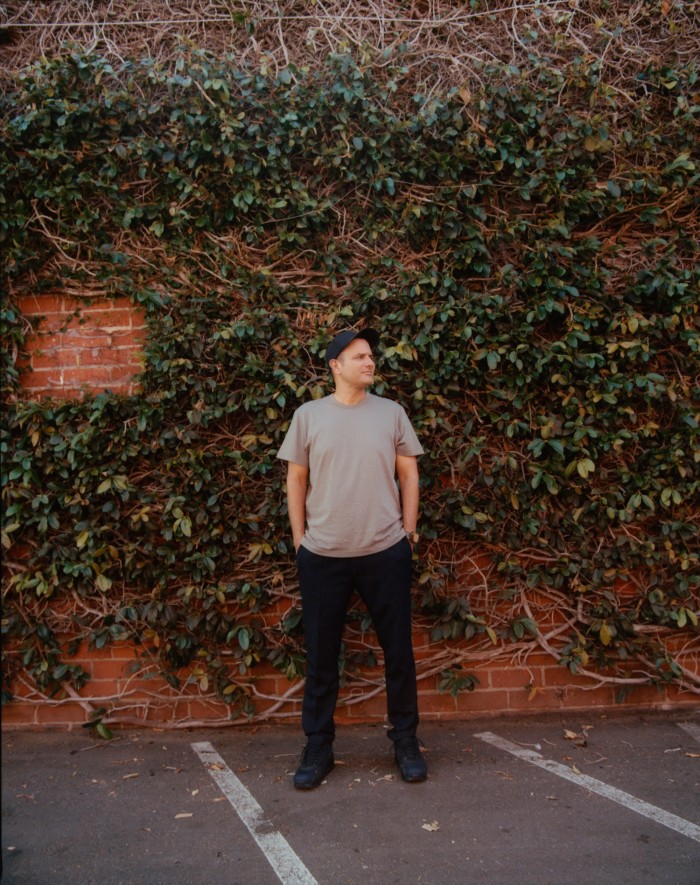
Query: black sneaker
x,y
316,761
410,760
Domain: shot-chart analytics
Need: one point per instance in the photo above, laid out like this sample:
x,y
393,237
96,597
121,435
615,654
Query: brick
x,y
539,658
66,715
561,676
43,343
53,359
434,703
85,338
33,305
274,686
483,700
109,669
277,609
137,335
46,377
478,562
123,651
106,356
373,707
106,690
52,325
355,716
96,378
200,709
80,376
514,677
422,647
87,656
110,320
176,711
533,701
19,714
138,687
98,306
578,698
121,374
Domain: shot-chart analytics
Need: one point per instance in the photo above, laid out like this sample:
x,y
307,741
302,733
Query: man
x,y
353,530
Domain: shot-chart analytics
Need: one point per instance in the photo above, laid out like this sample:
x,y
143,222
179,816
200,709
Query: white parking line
x,y
279,854
692,831
692,729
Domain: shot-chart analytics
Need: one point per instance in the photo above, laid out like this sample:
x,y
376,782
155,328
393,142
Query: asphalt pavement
x,y
573,798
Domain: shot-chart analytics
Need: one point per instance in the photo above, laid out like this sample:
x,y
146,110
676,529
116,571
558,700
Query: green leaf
x,y
585,467
530,626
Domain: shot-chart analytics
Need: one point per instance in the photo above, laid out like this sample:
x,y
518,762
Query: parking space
x,y
548,800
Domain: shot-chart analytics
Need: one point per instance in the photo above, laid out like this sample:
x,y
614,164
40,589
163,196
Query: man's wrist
x,y
412,536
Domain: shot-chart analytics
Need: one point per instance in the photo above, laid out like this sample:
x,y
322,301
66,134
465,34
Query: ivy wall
x,y
529,253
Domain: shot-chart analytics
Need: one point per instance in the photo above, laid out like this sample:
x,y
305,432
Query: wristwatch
x,y
413,537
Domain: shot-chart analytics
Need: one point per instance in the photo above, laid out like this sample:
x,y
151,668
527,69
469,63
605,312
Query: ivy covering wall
x,y
529,254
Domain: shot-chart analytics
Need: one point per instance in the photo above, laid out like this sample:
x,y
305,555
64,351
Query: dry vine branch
x,y
432,36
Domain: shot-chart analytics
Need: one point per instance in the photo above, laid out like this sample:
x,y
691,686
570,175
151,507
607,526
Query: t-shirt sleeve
x,y
407,442
294,447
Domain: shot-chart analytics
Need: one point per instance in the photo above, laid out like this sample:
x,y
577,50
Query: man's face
x,y
355,365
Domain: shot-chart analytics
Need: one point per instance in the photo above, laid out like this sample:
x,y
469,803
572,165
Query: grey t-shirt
x,y
352,500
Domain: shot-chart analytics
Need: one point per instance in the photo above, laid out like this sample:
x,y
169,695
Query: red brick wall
x,y
78,345
97,346
135,698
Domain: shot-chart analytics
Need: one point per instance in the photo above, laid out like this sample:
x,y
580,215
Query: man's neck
x,y
350,396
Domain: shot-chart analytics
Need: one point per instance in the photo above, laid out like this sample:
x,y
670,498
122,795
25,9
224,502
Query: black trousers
x,y
383,581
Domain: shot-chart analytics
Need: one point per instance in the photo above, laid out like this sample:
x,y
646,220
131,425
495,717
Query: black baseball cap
x,y
342,339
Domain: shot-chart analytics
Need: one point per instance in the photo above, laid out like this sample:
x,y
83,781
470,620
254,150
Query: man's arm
x,y
407,473
297,479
